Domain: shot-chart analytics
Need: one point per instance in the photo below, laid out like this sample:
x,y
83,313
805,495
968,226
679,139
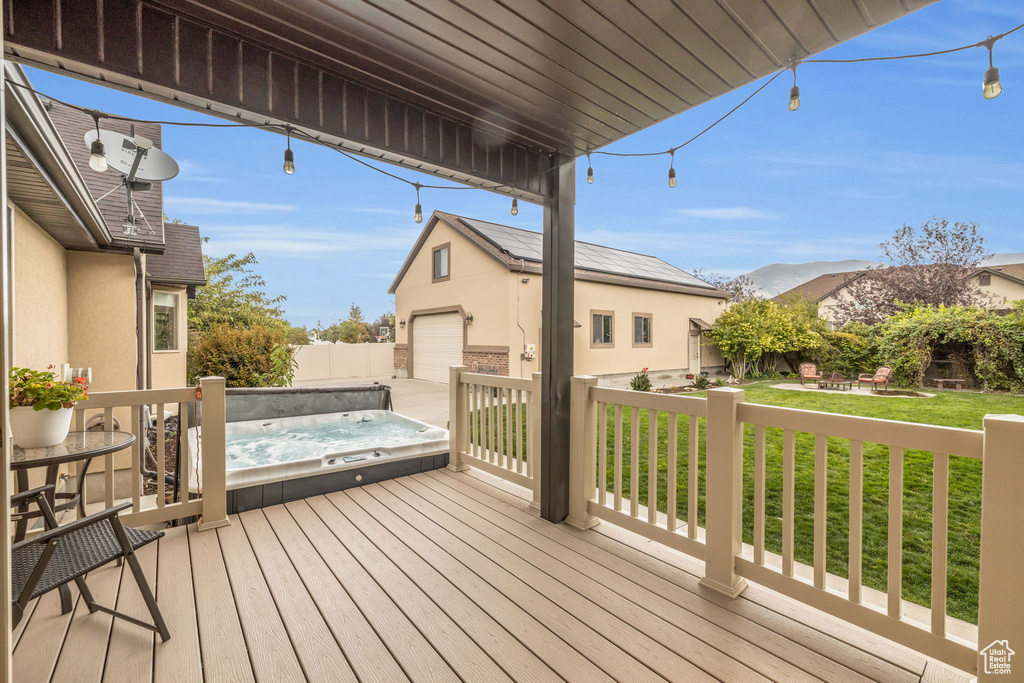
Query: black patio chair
x,y
63,554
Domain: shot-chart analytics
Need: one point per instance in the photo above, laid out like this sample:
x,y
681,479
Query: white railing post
x,y
533,450
214,458
582,452
724,499
458,418
1001,600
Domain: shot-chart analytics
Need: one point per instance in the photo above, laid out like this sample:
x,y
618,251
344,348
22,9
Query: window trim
x,y
593,344
177,320
643,345
985,280
448,276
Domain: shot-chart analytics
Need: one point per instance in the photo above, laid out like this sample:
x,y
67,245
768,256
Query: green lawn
x,y
955,409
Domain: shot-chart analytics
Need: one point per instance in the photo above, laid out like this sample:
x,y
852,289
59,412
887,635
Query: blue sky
x,y
873,146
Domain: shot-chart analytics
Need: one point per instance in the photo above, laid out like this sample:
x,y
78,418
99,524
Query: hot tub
x,y
276,460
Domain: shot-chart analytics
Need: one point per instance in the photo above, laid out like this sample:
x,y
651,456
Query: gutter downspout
x,y
149,337
142,376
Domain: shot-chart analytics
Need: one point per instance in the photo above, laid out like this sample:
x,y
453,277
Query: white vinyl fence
x,y
324,362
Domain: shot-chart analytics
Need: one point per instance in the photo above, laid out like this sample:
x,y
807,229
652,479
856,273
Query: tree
x,y
752,334
925,266
741,287
234,296
385,320
245,357
298,336
351,331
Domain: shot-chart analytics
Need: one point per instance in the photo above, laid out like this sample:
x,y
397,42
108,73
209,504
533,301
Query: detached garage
x,y
436,345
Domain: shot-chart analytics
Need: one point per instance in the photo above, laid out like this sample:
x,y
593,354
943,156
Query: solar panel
x,y
528,245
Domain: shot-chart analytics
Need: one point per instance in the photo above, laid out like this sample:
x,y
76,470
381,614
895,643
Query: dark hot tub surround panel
x,y
264,403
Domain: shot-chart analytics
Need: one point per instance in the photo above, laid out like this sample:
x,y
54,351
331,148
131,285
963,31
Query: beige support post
x,y
724,477
458,418
213,454
582,452
533,451
1001,600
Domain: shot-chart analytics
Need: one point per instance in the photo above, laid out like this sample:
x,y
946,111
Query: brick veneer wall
x,y
401,357
486,362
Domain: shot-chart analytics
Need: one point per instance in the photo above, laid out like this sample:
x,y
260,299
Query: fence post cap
x,y
1015,422
589,379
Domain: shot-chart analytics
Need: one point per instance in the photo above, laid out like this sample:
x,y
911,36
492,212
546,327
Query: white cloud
x,y
207,205
304,242
735,213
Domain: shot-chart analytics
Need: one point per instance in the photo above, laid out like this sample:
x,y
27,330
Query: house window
x,y
165,321
643,334
984,280
603,322
442,262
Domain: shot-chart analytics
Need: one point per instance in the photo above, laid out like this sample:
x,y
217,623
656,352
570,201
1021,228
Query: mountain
x,y
780,277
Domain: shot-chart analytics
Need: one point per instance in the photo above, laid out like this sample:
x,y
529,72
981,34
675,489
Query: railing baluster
x,y
820,507
136,451
693,492
759,485
671,471
184,454
602,453
856,518
510,454
161,493
489,400
940,541
634,461
895,582
652,466
788,484
108,460
531,457
519,430
618,458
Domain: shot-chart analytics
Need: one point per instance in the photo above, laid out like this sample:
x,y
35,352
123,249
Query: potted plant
x,y
41,406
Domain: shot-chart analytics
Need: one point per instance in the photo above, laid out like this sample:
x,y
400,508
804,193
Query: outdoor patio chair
x,y
809,371
880,378
63,554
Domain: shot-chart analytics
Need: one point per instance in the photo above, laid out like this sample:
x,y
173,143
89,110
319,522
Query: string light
x,y
992,87
97,156
794,92
289,155
515,206
672,169
590,171
418,215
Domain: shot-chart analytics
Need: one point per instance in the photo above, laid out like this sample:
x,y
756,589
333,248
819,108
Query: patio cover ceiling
x,y
479,91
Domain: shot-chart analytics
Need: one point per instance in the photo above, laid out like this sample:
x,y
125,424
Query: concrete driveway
x,y
415,398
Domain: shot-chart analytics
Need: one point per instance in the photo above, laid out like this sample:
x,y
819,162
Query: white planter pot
x,y
39,428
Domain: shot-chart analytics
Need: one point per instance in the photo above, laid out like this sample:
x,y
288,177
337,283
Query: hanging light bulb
x,y
590,171
993,87
97,157
794,93
515,206
672,169
418,215
289,155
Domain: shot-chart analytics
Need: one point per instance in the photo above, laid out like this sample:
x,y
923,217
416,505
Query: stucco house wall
x,y
169,368
40,296
1003,290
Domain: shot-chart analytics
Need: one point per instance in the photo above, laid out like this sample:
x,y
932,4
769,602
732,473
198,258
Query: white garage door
x,y
436,345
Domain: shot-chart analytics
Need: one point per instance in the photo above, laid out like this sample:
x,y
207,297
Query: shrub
x,y
701,382
254,357
640,381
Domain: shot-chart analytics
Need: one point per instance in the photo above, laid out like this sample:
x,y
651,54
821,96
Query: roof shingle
x,y
182,260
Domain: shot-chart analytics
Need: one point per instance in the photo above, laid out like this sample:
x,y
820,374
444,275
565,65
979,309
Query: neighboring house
x,y
469,293
1002,284
79,283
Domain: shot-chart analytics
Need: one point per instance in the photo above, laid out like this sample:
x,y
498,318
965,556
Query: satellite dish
x,y
134,157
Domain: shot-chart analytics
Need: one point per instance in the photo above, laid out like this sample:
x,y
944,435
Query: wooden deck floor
x,y
439,577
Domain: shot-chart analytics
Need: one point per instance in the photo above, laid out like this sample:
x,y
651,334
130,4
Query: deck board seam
x,y
110,631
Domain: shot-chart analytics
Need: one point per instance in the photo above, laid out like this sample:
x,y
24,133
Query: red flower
x,y
80,380
644,370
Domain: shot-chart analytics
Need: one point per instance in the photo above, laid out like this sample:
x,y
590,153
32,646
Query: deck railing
x,y
210,503
599,492
494,425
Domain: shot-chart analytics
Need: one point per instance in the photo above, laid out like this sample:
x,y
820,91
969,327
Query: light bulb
x,y
992,86
97,161
672,177
794,98
418,216
515,206
590,175
289,161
